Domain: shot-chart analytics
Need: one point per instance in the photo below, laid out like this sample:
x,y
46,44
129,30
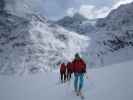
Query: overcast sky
x,y
56,9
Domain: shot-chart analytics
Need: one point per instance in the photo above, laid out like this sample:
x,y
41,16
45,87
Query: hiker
x,y
69,70
79,68
63,72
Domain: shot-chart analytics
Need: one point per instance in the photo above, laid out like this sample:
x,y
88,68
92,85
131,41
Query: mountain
x,y
112,42
118,18
74,20
13,40
111,38
77,23
32,44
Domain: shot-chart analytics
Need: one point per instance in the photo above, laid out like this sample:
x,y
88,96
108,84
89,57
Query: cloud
x,y
91,12
71,11
53,9
117,3
56,9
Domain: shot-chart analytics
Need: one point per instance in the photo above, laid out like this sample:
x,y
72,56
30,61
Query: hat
x,y
77,56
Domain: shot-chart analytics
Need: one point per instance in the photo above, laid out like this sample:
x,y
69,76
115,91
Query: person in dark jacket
x,y
69,70
79,69
63,72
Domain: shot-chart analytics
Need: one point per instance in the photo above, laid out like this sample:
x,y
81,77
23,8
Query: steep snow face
x,y
14,38
56,43
35,44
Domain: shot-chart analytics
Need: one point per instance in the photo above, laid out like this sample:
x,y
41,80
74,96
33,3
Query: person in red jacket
x,y
63,72
79,68
69,70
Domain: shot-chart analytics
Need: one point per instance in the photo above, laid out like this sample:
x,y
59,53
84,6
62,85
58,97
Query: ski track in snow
x,y
109,83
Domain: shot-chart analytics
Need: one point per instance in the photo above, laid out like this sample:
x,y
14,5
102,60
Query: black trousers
x,y
69,75
63,76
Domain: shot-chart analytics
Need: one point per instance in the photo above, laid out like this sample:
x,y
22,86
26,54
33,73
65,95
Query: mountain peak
x,y
118,18
78,16
77,23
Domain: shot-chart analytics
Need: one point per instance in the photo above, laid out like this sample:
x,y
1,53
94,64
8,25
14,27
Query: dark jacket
x,y
69,67
62,68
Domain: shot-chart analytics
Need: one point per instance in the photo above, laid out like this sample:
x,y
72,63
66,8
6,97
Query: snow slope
x,y
108,83
35,44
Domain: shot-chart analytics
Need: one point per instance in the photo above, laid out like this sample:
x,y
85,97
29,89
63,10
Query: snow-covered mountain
x,y
34,44
118,18
112,42
56,43
13,40
111,37
31,43
77,23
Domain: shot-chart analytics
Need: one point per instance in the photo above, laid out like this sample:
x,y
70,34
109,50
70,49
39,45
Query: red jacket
x,y
79,66
62,68
70,67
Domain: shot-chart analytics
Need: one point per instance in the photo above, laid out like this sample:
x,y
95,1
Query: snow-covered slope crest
x,y
35,44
